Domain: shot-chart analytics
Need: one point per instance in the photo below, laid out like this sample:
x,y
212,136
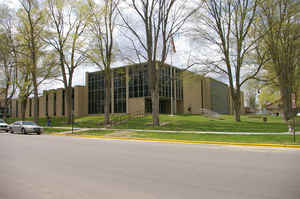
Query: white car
x,y
3,125
25,127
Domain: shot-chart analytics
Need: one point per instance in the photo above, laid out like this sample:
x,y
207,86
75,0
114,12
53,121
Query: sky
x,y
184,48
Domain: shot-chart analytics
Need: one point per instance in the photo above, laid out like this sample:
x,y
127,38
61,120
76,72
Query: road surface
x,y
58,167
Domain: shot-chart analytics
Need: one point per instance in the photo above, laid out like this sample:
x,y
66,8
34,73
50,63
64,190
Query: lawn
x,y
182,122
54,130
203,123
257,139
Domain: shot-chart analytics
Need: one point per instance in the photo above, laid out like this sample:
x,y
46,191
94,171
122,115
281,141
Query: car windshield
x,y
28,123
1,121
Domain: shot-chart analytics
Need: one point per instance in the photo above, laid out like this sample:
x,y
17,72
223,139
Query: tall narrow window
x,y
54,104
63,103
73,90
10,109
17,108
30,107
38,106
46,105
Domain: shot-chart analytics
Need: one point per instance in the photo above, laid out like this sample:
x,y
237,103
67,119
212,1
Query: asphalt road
x,y
50,167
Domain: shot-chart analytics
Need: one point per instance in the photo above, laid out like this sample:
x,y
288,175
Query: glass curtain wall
x,y
138,81
96,92
120,91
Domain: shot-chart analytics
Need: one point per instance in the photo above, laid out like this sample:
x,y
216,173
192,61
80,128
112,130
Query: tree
x,y
160,20
32,21
281,21
34,60
102,26
7,61
226,25
68,23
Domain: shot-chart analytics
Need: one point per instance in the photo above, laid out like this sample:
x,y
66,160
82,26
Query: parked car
x,y
3,125
25,127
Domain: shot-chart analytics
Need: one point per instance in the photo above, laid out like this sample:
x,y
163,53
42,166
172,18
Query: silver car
x,y
25,127
3,125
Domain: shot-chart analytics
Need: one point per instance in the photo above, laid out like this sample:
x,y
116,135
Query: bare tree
x,y
226,25
102,26
68,23
160,20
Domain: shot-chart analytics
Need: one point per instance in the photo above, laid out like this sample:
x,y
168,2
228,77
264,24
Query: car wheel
x,y
39,133
24,131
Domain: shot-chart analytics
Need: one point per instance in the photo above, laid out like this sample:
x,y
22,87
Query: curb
x,y
182,141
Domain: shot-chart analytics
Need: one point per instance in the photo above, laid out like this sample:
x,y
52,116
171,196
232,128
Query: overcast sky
x,y
184,47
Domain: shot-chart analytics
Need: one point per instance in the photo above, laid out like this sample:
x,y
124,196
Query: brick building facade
x,y
188,91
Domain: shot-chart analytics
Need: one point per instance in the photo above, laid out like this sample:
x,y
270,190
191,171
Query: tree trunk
x,y
36,105
154,82
69,104
23,108
237,111
107,98
155,108
285,92
236,100
155,104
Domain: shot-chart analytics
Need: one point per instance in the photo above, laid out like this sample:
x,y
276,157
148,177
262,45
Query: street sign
x,y
293,95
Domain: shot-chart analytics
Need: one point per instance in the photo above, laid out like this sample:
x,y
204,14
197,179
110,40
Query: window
x,y
138,81
119,91
54,104
179,85
30,107
63,103
73,98
47,100
96,92
17,108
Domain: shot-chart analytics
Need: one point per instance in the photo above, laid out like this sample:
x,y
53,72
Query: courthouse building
x,y
186,91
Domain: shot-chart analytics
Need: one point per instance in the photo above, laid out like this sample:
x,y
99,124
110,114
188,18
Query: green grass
x,y
54,130
94,132
202,123
257,139
182,122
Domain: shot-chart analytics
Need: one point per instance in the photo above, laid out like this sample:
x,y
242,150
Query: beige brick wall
x,y
42,111
59,94
81,101
192,93
136,105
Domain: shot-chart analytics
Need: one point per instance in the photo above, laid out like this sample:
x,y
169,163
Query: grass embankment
x,y
257,139
203,123
183,123
54,130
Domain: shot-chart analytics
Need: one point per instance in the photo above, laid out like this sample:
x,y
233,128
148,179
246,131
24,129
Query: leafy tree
x,y
68,23
280,20
31,24
7,61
